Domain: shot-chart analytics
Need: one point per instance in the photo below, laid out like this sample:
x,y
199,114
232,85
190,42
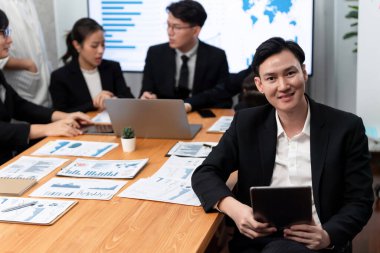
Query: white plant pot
x,y
128,145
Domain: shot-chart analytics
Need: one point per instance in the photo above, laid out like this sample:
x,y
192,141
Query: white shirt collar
x,y
189,53
306,126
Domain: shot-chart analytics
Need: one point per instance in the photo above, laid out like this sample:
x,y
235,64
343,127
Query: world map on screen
x,y
261,19
271,9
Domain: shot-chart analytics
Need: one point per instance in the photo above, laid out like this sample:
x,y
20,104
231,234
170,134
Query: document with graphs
x,y
192,149
221,125
76,148
31,167
171,183
102,189
103,168
33,211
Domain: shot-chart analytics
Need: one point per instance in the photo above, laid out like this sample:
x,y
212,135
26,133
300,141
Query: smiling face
x,y
181,35
91,50
5,45
282,79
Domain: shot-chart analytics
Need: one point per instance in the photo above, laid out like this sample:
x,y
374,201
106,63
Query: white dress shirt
x,y
292,165
192,54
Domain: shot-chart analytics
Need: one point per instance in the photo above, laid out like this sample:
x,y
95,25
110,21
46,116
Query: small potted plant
x,y
128,139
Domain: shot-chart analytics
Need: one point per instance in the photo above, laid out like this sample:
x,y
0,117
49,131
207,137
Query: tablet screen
x,y
282,206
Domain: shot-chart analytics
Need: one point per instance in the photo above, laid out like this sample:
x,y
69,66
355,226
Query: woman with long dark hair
x,y
87,79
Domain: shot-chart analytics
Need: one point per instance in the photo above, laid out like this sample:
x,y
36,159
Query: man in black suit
x,y
292,141
185,68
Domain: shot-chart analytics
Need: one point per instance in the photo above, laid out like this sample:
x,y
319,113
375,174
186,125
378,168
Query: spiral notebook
x,y
15,186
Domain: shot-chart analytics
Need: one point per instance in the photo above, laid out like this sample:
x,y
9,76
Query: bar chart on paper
x,y
79,188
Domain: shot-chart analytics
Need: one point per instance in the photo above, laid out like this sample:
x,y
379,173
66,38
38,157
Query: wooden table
x,y
121,224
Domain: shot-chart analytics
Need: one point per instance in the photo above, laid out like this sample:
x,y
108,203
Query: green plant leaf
x,y
352,14
128,133
354,7
350,35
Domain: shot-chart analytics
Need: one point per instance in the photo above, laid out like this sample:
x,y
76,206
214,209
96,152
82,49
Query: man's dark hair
x,y
188,11
4,22
273,46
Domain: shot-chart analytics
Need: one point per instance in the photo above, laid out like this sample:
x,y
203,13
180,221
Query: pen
x,y
207,145
19,206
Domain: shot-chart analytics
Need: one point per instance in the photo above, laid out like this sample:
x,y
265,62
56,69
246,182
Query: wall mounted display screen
x,y
237,26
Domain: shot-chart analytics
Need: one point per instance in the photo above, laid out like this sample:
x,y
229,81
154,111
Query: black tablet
x,y
282,206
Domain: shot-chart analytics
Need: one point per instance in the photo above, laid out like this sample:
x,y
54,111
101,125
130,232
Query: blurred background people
x,y
28,69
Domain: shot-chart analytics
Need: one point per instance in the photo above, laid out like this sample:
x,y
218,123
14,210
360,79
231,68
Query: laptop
x,y
157,118
97,129
282,206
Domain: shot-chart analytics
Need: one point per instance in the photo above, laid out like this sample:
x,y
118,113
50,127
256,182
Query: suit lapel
x,y
170,75
105,82
200,66
319,137
80,84
268,141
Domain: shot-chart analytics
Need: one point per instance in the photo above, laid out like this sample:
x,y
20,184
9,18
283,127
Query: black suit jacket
x,y
341,175
211,68
15,136
69,90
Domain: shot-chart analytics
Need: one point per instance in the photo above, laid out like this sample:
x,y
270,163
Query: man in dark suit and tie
x,y
185,67
292,141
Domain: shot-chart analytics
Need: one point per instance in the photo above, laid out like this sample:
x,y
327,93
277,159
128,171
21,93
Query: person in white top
x,y
292,141
28,69
38,121
87,79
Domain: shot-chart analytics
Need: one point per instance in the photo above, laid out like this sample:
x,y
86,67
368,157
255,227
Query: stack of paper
x,y
171,183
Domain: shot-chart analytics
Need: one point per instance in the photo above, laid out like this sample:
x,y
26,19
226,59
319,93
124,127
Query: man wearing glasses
x,y
185,67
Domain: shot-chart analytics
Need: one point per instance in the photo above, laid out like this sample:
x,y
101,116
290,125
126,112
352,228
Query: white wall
x,y
334,79
368,88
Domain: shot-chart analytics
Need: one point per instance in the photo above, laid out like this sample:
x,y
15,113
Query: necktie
x,y
183,82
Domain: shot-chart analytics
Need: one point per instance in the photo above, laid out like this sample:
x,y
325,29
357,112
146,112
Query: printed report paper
x,y
171,183
102,117
102,189
103,168
221,125
31,167
76,148
192,149
33,211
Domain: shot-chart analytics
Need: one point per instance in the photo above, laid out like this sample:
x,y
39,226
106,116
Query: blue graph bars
x,y
116,17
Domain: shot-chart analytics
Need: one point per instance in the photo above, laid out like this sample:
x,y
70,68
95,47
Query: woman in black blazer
x,y
87,80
